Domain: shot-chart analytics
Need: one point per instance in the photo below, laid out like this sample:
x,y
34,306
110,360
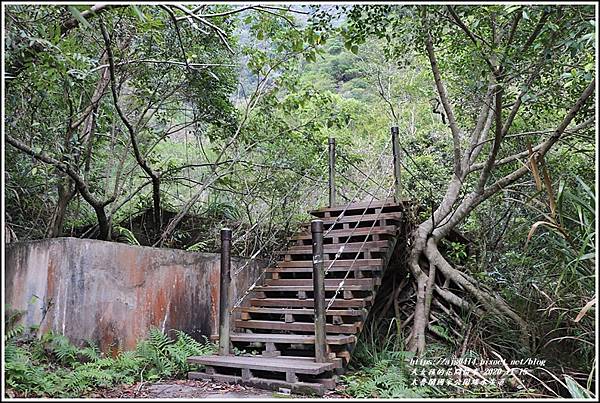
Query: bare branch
x,y
132,134
445,102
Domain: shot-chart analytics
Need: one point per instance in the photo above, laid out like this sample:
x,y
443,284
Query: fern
x,y
91,352
53,367
14,332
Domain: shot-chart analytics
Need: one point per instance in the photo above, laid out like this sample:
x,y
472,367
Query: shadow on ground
x,y
198,390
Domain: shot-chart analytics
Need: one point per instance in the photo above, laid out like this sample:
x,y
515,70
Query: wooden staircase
x,y
274,332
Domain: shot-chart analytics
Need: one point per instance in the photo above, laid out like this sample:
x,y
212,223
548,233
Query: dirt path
x,y
197,390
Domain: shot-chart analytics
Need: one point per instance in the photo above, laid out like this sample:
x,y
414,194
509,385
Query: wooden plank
x,y
290,338
296,326
340,247
357,266
278,364
309,302
358,206
296,289
338,263
332,282
396,215
300,311
307,256
337,233
272,384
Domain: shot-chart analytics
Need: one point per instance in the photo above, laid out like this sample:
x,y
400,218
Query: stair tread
x,y
354,218
278,364
299,311
290,338
326,263
297,326
308,269
360,205
349,287
309,302
338,247
382,230
328,281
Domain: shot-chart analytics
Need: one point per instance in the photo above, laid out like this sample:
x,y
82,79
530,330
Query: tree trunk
x,y
103,223
66,191
156,203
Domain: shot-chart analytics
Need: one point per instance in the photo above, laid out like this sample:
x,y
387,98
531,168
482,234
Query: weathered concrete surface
x,y
113,293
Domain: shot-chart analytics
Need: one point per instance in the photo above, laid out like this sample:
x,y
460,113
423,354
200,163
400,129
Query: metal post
x,y
224,308
316,227
331,171
396,152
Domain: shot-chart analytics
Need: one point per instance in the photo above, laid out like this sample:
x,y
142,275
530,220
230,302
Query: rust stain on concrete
x,y
114,293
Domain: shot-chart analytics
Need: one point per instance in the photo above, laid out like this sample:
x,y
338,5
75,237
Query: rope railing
x,y
343,246
340,251
273,235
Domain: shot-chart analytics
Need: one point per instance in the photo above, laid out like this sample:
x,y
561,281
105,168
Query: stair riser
x,y
389,230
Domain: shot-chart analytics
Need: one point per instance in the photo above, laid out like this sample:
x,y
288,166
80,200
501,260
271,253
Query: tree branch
x,y
132,135
445,102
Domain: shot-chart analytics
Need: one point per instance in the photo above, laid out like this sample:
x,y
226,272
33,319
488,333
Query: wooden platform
x,y
278,364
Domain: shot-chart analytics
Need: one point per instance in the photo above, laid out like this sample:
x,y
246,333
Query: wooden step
x,y
349,328
287,338
329,282
276,364
300,311
357,266
362,218
338,263
292,288
356,206
335,248
310,303
338,233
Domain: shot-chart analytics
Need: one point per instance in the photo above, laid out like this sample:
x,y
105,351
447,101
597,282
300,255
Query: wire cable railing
x,y
360,250
342,214
257,253
249,231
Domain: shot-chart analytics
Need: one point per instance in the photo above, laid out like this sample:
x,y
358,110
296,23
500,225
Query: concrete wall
x,y
113,293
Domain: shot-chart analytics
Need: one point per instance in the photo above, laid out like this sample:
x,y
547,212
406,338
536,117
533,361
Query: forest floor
x,y
196,389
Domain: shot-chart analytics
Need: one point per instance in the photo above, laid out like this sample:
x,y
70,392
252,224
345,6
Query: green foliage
x,y
127,234
456,251
378,368
381,381
53,367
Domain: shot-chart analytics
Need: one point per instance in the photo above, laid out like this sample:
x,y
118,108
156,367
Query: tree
x,y
494,68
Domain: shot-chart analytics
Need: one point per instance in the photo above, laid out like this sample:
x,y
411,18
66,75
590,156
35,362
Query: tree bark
x,y
66,191
451,212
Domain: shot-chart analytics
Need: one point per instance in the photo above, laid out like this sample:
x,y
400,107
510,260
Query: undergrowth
x,y
51,366
378,368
